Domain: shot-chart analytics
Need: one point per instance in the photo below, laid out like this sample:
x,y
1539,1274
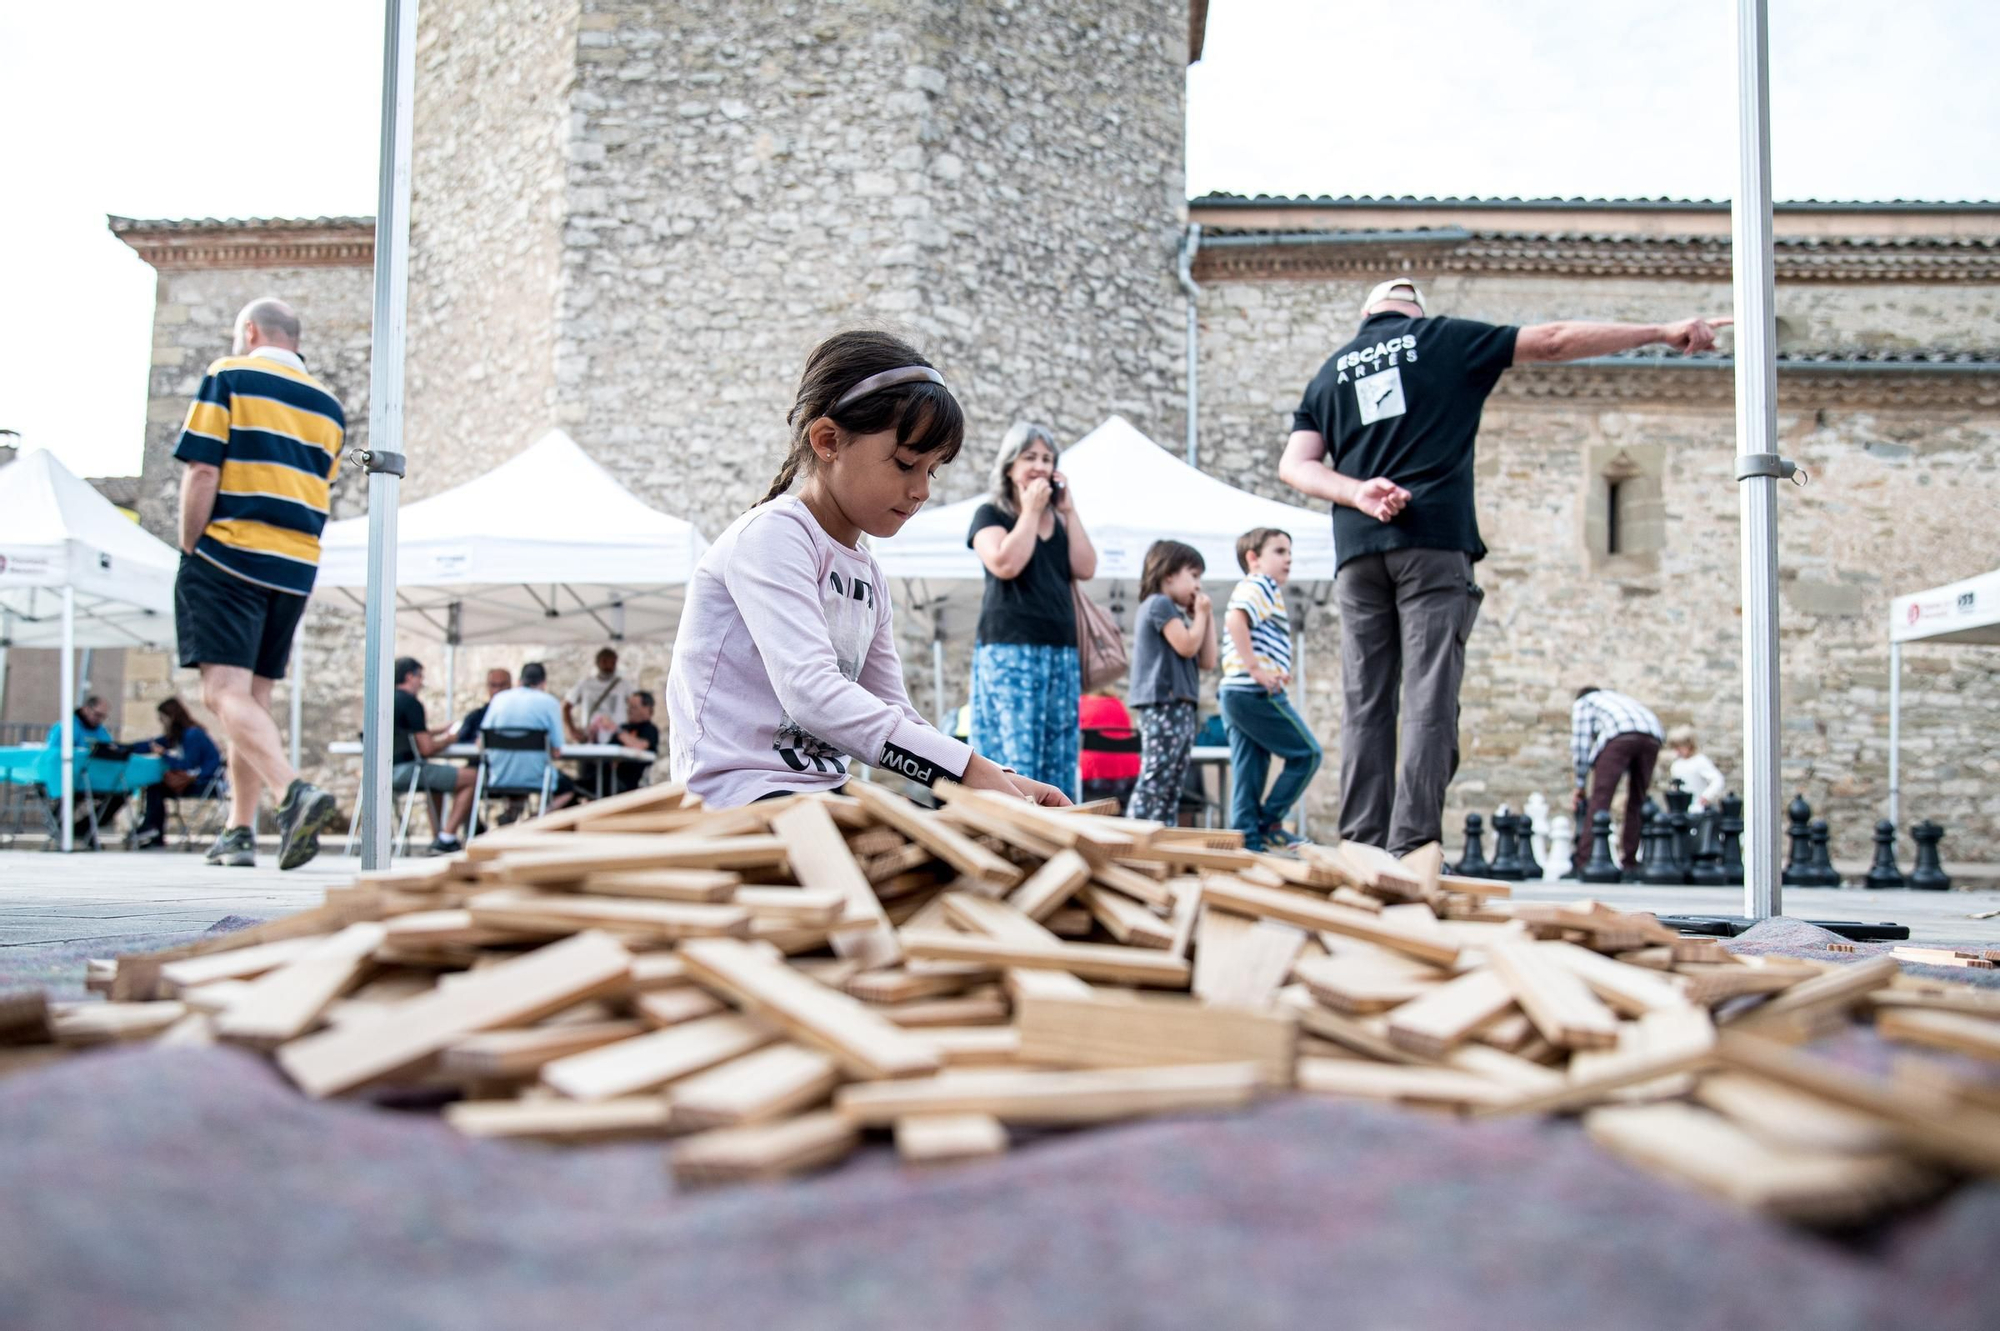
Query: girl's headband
x,y
874,383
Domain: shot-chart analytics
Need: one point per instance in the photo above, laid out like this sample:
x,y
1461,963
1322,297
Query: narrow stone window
x,y
1612,514
1624,509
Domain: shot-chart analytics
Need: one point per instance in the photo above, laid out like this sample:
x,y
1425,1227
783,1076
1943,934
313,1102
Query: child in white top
x,y
785,663
1693,769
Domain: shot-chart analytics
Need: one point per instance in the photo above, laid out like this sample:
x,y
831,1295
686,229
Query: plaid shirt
x,y
1596,718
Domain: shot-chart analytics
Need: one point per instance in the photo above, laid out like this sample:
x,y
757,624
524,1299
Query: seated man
x,y
497,683
87,722
414,744
528,707
639,733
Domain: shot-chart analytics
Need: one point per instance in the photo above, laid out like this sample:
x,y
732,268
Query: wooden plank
x,y
1151,891
1670,1043
663,884
1050,886
1240,961
446,928
1126,920
646,1062
498,1055
24,1017
979,1008
708,822
1310,912
975,1046
139,973
821,859
665,795
979,820
78,1024
1960,1032
241,964
934,1139
560,1120
864,1042
563,912
675,1007
1632,990
803,906
1377,870
1122,1031
1119,965
1443,1087
773,1083
285,1003
955,848
1092,838
1827,994
1433,1023
1426,862
763,1151
1360,985
522,990
1055,1097
1695,1147
1561,1005
905,986
539,866
1786,1117
1943,998
1941,956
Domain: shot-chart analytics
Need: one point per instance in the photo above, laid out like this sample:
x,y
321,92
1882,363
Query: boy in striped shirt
x,y
261,441
1256,670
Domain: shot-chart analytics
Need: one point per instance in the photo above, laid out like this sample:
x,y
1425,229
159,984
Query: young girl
x,y
785,664
1173,642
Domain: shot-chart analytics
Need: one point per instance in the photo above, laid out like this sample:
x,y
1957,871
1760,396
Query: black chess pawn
x,y
1524,845
1659,865
1649,813
1708,869
1680,802
1883,875
1600,867
1680,840
1729,832
1927,874
1799,868
1823,872
1506,847
1473,863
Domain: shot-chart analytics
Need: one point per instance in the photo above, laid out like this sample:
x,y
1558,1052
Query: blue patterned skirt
x,y
1024,710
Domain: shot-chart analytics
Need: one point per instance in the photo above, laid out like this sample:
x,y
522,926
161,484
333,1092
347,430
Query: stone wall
x,y
1893,497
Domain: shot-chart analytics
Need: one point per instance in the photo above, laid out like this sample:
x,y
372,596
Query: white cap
x,y
1385,291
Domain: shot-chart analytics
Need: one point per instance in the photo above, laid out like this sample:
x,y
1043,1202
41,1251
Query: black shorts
x,y
222,620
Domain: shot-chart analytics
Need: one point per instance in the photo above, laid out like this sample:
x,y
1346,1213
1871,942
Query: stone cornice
x,y
1712,385
1354,256
327,242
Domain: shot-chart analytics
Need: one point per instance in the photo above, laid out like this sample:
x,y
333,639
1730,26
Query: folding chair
x,y
402,823
510,739
214,793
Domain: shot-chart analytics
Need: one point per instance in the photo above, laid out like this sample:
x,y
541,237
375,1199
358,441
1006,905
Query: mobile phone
x,y
1056,491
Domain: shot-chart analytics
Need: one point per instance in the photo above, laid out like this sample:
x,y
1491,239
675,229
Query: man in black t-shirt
x,y
1385,432
410,749
638,733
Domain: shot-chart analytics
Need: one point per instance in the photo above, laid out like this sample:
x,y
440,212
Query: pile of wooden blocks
x,y
767,985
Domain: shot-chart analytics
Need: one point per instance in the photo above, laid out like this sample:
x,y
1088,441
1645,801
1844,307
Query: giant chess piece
x,y
1562,845
1823,872
1680,801
1659,865
1649,813
1524,845
1707,869
1679,841
1799,868
1600,867
1883,875
1928,874
1506,847
1473,863
1537,852
1729,831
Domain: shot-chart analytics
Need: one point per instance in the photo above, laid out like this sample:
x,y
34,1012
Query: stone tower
x,y
634,219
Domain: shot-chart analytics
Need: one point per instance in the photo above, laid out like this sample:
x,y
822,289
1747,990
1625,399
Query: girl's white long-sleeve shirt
x,y
785,666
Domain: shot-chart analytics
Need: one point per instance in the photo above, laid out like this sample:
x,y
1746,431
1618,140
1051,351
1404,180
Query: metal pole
x,y
937,683
1188,248
298,688
68,720
450,680
385,424
1756,434
1895,729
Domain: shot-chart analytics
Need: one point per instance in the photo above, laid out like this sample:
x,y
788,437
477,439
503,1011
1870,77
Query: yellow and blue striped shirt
x,y
275,433
1263,602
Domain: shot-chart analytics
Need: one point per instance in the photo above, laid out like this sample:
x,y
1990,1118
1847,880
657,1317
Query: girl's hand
x,y
1202,605
1035,496
1037,793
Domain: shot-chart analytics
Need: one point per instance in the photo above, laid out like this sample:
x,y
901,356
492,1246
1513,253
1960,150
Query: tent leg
x,y
1756,435
450,680
1895,730
3,677
298,687
937,686
385,423
68,720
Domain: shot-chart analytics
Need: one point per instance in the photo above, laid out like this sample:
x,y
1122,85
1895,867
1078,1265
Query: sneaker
x,y
1278,838
445,846
236,848
305,813
149,838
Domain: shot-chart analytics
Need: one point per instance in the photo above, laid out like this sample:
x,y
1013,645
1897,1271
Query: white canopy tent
x,y
1130,492
1958,612
547,547
75,572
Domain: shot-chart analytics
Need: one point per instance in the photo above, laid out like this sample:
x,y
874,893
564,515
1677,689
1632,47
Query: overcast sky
x,y
180,114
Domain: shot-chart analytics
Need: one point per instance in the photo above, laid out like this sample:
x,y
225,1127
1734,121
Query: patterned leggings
x,y
1167,732
1024,710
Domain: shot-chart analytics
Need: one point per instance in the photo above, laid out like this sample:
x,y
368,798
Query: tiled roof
x,y
141,225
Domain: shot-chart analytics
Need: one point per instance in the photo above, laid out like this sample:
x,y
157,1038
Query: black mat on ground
x,y
147,1188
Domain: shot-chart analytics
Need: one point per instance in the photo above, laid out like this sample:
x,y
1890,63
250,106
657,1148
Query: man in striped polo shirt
x,y
261,441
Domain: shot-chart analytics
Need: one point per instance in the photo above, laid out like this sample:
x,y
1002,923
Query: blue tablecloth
x,y
31,764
